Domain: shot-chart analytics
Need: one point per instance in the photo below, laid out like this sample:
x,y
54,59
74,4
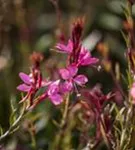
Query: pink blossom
x,y
85,58
69,72
27,85
30,86
66,87
70,75
30,83
80,79
54,92
132,91
65,48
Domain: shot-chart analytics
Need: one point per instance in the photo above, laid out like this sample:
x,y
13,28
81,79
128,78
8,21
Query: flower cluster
x,y
69,78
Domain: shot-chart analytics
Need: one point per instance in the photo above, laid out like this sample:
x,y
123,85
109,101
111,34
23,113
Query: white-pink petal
x,y
53,88
80,80
45,83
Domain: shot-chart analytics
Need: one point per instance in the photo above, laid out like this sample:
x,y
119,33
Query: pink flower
x,y
132,91
66,87
31,87
70,75
54,92
65,48
27,85
31,82
77,53
85,58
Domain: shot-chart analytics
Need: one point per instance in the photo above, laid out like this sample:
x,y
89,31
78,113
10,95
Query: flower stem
x,y
13,127
56,143
63,121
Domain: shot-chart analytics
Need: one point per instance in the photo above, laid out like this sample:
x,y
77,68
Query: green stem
x,y
33,141
56,143
63,121
14,125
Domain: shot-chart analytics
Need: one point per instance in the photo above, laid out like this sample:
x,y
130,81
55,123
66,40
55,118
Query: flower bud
x,y
36,58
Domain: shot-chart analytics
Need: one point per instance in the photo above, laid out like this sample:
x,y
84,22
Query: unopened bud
x,y
36,58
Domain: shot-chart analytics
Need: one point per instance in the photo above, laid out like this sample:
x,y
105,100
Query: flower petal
x,y
70,46
81,79
25,78
64,74
53,88
65,48
66,87
23,87
89,61
45,83
56,99
85,57
72,70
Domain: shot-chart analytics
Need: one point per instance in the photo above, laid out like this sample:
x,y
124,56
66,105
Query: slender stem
x,y
57,9
104,132
33,141
56,143
63,121
14,125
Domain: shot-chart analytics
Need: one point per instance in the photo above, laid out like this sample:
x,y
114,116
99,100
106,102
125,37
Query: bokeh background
x,y
36,25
